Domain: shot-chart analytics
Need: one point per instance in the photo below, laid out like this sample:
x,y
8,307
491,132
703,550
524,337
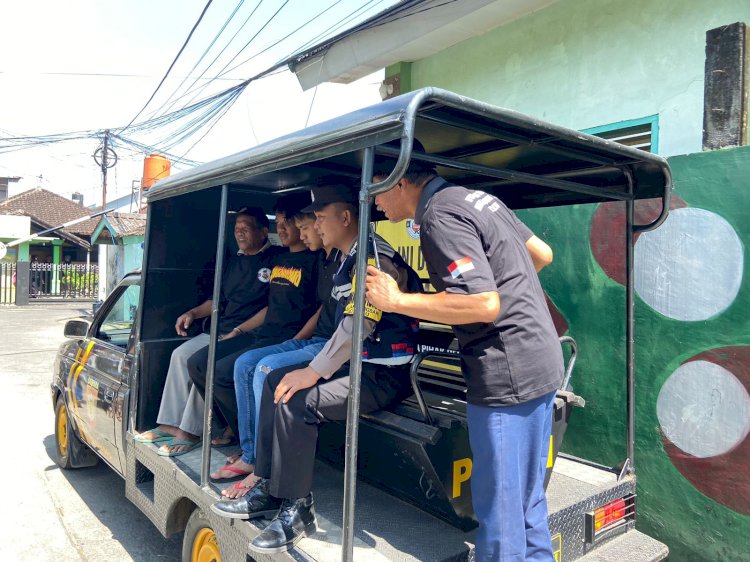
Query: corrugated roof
x,y
127,224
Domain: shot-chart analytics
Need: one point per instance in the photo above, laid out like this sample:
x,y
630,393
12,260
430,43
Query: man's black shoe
x,y
296,519
256,503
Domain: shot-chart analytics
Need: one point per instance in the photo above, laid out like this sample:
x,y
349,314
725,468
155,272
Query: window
x,y
116,326
638,133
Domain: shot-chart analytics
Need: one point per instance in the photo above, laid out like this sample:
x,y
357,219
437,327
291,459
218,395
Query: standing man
x,y
481,259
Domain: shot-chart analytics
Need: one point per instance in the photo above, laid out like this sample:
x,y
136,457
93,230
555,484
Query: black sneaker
x,y
296,519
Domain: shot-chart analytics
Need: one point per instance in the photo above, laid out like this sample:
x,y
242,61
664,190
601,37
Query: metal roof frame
x,y
522,160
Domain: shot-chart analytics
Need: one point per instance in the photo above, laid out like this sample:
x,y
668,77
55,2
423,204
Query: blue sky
x,y
80,65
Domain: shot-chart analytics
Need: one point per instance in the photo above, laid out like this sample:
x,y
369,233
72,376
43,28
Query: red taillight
x,y
609,517
608,514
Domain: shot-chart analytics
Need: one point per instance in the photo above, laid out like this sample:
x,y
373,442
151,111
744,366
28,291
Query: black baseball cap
x,y
323,195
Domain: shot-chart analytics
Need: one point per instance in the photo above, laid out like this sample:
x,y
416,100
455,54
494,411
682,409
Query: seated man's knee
x,y
183,352
196,364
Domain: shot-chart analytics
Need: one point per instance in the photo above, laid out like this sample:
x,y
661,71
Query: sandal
x,y
238,487
238,474
225,440
160,436
189,444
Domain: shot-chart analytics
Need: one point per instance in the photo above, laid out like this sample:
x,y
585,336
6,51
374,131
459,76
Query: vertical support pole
x,y
105,165
145,288
55,273
213,338
355,365
630,329
22,282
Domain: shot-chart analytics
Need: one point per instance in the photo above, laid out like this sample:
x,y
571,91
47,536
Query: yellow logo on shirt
x,y
291,274
371,313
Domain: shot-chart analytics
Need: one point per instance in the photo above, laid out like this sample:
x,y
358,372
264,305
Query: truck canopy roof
x,y
524,161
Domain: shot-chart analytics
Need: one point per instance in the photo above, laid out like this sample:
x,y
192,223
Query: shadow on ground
x,y
103,492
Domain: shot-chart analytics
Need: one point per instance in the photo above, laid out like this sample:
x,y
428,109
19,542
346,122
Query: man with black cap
x,y
482,260
297,399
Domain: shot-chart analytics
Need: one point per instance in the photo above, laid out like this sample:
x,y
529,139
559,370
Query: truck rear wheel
x,y
200,543
63,434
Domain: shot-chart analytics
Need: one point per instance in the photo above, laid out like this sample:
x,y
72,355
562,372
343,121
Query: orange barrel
x,y
155,167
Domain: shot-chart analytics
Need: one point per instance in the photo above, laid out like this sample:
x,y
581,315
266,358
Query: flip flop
x,y
161,436
190,446
224,441
239,474
238,487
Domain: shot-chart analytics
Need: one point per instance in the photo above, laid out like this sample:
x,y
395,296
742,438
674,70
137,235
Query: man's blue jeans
x,y
509,446
250,371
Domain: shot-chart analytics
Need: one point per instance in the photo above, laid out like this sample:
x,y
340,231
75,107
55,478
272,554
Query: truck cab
x,y
411,464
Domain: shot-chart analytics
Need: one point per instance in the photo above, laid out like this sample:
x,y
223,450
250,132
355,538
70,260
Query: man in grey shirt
x,y
481,259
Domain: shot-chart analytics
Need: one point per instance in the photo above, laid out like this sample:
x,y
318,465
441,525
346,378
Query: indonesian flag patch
x,y
460,266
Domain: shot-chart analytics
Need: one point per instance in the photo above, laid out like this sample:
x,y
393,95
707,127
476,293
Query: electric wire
x,y
205,52
224,70
195,26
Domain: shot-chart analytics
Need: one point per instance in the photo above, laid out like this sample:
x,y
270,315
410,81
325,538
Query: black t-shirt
x,y
327,267
244,287
472,243
292,293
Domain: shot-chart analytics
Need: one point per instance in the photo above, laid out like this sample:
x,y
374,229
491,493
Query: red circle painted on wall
x,y
723,476
608,232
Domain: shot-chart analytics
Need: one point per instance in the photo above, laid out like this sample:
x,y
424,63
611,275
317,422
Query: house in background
x,y
667,77
123,234
46,210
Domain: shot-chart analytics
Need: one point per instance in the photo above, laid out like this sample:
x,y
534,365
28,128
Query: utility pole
x,y
106,158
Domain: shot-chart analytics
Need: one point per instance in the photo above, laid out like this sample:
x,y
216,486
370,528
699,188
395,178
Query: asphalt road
x,y
47,513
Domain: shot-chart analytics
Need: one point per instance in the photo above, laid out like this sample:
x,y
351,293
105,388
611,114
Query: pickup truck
x,y
410,465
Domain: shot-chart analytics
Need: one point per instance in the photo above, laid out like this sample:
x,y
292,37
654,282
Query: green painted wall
x,y
584,63
671,508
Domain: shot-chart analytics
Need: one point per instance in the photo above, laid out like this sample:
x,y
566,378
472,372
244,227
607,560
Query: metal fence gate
x,y
7,283
63,280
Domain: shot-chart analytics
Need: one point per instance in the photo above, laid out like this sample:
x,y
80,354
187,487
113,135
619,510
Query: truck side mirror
x,y
76,329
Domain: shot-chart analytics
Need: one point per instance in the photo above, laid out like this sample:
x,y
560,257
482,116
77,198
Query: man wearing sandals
x,y
244,293
286,284
251,368
291,312
297,400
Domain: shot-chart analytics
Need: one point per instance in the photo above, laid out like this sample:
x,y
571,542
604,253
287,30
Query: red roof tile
x,y
47,208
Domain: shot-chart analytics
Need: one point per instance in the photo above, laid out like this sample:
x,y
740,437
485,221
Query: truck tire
x,y
63,435
200,543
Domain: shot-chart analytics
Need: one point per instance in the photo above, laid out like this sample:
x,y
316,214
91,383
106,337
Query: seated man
x,y
295,400
244,294
251,368
292,283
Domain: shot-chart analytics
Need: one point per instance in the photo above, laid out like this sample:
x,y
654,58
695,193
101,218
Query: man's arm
x,y
540,252
308,329
186,319
250,324
446,308
336,352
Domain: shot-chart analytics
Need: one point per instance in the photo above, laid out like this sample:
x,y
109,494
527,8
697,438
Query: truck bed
x,y
386,527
